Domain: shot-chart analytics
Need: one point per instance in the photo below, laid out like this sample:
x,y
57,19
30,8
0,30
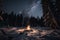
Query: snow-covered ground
x,y
35,33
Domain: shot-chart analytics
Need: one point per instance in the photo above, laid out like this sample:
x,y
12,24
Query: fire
x,y
28,27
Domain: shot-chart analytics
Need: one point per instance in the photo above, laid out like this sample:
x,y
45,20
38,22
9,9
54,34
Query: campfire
x,y
28,27
23,29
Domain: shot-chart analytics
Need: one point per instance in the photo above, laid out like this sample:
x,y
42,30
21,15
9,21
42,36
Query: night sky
x,y
33,7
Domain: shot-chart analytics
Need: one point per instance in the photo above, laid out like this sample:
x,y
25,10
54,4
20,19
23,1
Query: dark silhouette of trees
x,y
33,21
17,20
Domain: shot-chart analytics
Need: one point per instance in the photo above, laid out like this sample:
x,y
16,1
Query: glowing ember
x,y
28,27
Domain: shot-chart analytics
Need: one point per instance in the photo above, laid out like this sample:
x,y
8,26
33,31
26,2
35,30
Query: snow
x,y
38,33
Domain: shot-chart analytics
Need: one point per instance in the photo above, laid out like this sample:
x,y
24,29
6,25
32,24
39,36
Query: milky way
x,y
36,9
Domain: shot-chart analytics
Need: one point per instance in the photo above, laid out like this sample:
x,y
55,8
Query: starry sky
x,y
33,7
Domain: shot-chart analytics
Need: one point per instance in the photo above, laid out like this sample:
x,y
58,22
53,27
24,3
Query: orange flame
x,y
28,27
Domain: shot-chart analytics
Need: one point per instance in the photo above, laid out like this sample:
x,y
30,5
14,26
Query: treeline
x,y
14,20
